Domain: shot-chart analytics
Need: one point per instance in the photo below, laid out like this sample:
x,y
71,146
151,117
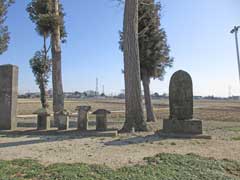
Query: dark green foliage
x,y
41,66
160,167
41,13
4,34
153,48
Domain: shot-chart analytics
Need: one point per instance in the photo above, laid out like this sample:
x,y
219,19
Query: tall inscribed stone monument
x,y
181,106
8,96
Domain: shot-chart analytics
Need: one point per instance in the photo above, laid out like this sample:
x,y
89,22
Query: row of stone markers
x,y
180,103
43,119
101,118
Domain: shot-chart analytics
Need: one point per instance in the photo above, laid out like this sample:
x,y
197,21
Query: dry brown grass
x,y
209,110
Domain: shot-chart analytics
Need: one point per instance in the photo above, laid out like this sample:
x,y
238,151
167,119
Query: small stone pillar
x,y
43,119
8,96
181,106
101,119
82,123
63,123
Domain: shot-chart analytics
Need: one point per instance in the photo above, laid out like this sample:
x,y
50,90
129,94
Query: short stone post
x,y
43,119
82,123
181,106
8,96
101,119
63,123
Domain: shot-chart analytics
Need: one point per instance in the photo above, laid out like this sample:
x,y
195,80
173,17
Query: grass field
x,y
159,167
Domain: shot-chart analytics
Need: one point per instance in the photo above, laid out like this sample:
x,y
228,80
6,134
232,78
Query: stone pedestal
x,y
8,96
82,123
43,122
63,123
101,119
192,126
43,119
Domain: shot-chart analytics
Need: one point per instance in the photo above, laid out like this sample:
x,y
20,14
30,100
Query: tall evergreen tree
x,y
4,34
42,13
153,47
58,95
133,100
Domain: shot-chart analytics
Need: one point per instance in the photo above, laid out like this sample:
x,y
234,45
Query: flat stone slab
x,y
183,136
191,126
100,133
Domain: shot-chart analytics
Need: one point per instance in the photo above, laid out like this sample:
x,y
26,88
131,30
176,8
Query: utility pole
x,y
96,91
103,91
235,31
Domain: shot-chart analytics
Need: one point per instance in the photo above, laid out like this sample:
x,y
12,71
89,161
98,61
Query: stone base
x,y
82,125
43,122
183,136
191,126
108,133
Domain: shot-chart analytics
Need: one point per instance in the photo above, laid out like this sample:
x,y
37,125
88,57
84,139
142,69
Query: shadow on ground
x,y
47,136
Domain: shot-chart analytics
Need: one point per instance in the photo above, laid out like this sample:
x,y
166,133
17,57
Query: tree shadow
x,y
135,140
157,136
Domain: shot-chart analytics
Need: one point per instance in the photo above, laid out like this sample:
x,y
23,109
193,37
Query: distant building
x,y
29,95
234,97
197,97
75,94
91,93
158,96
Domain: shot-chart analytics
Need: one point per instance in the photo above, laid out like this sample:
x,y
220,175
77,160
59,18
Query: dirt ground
x,y
221,120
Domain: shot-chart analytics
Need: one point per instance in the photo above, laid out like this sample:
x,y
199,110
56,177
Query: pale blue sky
x,y
198,33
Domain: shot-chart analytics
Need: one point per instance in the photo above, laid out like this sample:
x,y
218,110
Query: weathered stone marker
x,y
181,96
181,106
83,117
63,123
8,96
101,119
43,119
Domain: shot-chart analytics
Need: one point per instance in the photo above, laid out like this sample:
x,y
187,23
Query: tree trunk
x,y
58,97
42,85
133,99
147,96
42,88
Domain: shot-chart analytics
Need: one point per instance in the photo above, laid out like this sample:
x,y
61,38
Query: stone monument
x,y
101,119
181,106
82,123
8,96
